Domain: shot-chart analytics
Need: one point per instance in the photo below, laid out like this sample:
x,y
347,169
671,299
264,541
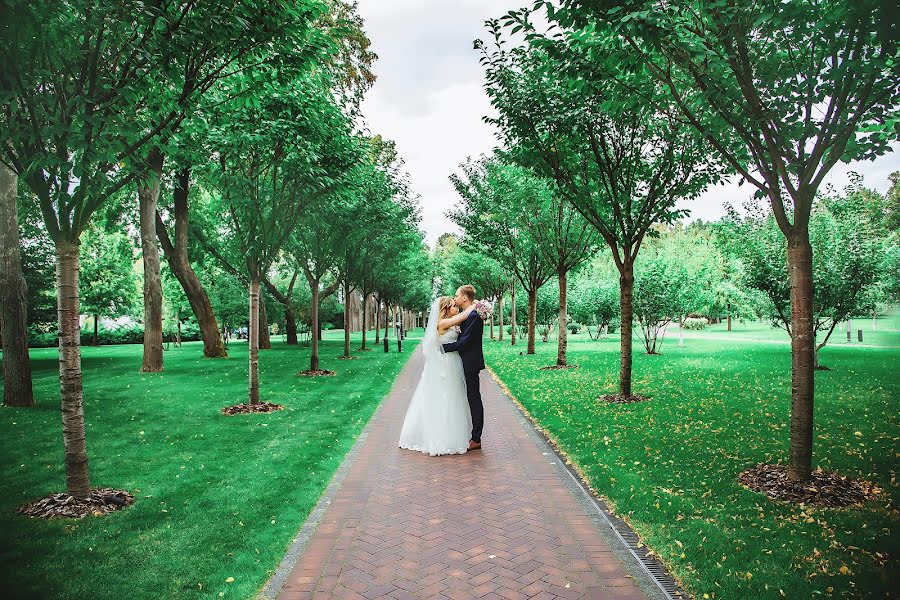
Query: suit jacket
x,y
469,343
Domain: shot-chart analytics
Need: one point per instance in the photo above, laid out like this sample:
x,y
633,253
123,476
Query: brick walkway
x,y
494,523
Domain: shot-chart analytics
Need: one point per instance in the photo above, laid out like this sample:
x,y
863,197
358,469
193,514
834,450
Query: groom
x,y
469,347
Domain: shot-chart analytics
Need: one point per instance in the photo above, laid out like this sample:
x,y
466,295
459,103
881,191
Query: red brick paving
x,y
492,524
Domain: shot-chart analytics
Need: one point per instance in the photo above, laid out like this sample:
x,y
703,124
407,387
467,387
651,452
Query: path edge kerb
x,y
569,472
275,583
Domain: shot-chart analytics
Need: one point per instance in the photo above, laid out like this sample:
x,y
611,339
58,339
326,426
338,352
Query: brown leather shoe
x,y
473,445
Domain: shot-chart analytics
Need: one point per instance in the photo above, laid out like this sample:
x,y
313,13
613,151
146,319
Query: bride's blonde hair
x,y
444,305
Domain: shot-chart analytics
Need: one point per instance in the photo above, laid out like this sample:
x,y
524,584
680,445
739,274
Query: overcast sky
x,y
429,99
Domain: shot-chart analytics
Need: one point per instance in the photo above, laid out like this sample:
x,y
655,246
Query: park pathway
x,y
495,523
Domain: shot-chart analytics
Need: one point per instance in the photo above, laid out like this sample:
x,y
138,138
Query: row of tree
x,y
619,113
229,136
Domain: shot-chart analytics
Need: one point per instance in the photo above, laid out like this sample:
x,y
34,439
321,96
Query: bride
x,y
438,420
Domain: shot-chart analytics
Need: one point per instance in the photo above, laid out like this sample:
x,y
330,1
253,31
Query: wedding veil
x,y
430,345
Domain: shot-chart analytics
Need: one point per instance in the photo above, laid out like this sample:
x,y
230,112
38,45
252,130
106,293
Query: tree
x,y
107,270
782,92
67,127
275,156
493,218
595,297
314,248
17,390
177,256
658,283
622,162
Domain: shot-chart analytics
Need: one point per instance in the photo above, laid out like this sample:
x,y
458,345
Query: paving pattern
x,y
494,523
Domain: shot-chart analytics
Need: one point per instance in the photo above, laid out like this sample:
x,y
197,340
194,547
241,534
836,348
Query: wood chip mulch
x,y
558,367
620,399
347,357
822,489
315,373
99,502
246,408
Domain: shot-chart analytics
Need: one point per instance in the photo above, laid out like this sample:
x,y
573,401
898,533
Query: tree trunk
x,y
512,315
492,326
626,305
799,262
178,328
563,320
314,326
290,324
68,310
387,318
17,388
148,198
265,342
346,321
532,319
500,310
364,324
177,257
729,321
377,322
96,330
253,341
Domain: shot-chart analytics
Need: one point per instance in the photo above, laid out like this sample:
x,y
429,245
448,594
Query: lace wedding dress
x,y
438,420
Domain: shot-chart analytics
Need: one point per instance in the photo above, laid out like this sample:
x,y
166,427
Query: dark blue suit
x,y
469,347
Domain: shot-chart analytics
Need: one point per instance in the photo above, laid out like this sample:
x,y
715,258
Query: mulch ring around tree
x,y
558,367
822,489
622,399
247,408
99,502
315,373
347,357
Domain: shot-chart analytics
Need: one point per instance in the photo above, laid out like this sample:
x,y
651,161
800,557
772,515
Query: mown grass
x,y
216,497
718,406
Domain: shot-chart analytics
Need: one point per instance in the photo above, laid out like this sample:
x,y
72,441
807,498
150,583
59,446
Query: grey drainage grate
x,y
651,566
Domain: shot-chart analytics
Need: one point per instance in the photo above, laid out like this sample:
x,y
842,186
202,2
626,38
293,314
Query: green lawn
x,y
717,407
216,496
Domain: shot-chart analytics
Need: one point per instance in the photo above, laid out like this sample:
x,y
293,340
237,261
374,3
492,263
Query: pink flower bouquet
x,y
484,309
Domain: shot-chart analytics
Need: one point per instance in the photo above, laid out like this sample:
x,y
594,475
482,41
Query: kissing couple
x,y
445,415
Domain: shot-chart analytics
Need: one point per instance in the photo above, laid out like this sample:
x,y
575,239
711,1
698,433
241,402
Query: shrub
x,y
695,323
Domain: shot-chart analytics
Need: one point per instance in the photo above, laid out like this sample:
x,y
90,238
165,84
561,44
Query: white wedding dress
x,y
438,420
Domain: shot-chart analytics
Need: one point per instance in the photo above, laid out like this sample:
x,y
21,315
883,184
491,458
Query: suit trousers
x,y
473,392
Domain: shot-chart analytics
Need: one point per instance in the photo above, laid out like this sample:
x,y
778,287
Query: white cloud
x,y
429,99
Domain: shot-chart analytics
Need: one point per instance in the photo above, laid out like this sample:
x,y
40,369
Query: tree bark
x,y
17,387
265,342
290,322
626,306
729,321
500,310
314,326
562,343
68,310
377,322
177,256
364,323
253,341
512,315
346,321
96,330
148,198
799,263
492,326
532,319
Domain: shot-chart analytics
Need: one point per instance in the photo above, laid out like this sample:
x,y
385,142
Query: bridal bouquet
x,y
484,309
